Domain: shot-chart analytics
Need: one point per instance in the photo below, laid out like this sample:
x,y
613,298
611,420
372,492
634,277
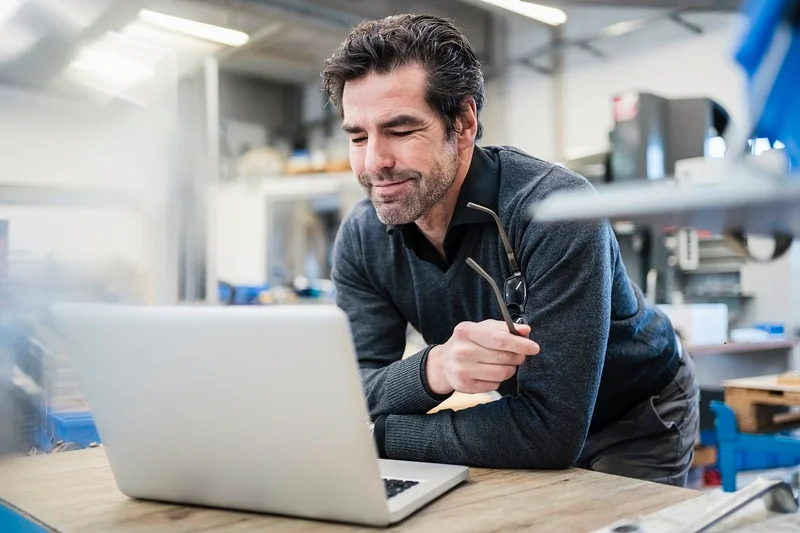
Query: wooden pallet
x,y
760,403
704,456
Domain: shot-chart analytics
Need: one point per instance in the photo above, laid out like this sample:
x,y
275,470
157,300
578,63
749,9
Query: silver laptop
x,y
250,408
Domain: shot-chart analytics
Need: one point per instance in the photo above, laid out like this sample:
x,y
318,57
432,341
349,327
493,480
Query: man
x,y
593,377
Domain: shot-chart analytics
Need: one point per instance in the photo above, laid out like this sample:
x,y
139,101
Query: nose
x,y
378,157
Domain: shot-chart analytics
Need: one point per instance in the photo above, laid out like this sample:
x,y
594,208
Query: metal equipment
x,y
740,197
714,508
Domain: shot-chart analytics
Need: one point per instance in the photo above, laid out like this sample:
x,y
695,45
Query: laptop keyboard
x,y
396,486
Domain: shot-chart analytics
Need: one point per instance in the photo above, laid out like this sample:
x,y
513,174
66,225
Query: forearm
x,y
399,388
507,433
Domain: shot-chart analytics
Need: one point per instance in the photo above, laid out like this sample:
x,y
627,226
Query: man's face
x,y
399,148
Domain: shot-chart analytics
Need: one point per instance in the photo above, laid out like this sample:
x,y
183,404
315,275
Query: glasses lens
x,y
519,319
515,291
517,314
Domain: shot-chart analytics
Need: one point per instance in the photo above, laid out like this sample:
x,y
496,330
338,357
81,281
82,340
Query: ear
x,y
467,124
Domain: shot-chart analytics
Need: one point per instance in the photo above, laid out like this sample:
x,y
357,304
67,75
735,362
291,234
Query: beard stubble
x,y
427,189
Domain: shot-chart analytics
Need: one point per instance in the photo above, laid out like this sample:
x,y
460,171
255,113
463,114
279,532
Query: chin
x,y
393,217
393,220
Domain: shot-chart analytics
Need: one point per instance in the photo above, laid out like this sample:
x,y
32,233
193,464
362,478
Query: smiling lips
x,y
390,188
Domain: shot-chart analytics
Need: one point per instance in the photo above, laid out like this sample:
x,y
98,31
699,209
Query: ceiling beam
x,y
700,5
312,11
56,49
678,19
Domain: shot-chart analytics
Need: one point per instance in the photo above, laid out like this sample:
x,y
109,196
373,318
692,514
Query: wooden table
x,y
75,492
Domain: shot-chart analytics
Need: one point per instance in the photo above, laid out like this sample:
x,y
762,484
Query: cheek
x,y
418,154
357,154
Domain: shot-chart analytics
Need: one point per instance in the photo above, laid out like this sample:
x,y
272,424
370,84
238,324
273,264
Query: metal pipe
x,y
559,148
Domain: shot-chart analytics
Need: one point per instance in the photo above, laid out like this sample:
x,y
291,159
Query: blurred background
x,y
164,151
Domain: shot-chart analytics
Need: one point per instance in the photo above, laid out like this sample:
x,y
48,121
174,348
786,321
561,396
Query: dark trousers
x,y
654,441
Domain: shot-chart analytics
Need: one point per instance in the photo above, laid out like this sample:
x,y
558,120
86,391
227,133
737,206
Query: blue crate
x,y
77,427
244,294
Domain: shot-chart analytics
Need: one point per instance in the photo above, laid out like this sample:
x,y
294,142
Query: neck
x,y
435,222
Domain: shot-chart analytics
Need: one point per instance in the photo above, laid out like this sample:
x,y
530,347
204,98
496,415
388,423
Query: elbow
x,y
555,454
540,458
552,444
564,456
553,449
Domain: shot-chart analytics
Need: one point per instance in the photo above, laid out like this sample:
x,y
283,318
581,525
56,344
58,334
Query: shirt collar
x,y
481,186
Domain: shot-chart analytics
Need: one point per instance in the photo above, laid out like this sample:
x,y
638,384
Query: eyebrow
x,y
394,122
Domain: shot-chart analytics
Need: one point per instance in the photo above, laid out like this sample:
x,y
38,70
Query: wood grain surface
x,y
75,492
771,382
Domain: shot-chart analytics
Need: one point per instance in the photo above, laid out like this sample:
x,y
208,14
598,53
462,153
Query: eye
x,y
402,133
358,140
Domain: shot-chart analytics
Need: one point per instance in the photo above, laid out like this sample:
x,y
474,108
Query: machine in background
x,y
651,134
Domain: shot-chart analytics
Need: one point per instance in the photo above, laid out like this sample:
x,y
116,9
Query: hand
x,y
478,357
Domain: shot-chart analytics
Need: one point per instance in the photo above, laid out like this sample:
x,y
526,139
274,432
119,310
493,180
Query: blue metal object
x,y
769,53
12,521
733,447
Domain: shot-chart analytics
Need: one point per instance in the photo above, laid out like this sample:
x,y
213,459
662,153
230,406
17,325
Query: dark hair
x,y
380,46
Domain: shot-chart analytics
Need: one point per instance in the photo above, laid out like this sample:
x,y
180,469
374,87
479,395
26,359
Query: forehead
x,y
377,96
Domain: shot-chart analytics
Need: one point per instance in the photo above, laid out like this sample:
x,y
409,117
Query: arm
x,y
568,270
391,384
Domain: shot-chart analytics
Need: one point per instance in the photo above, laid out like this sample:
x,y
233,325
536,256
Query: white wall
x,y
59,143
665,59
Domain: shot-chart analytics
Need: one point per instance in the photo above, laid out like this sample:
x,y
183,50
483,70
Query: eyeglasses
x,y
515,290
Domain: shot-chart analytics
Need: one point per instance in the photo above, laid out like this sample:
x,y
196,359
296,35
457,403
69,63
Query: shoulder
x,y
525,178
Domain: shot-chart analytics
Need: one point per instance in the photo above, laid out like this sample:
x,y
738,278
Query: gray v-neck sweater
x,y
604,349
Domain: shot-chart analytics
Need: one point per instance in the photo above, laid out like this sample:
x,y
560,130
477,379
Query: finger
x,y
477,387
493,373
522,329
497,357
496,339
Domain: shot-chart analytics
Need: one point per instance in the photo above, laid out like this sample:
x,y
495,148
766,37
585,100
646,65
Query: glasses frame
x,y
516,275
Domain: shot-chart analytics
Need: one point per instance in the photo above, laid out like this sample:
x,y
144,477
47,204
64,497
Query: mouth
x,y
387,188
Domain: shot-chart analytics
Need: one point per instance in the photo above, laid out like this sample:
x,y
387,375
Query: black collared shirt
x,y
481,187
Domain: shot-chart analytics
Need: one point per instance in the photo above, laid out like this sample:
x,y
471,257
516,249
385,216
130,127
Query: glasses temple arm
x,y
503,309
503,236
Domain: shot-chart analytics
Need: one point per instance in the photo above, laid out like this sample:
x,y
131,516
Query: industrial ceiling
x,y
289,40
705,5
